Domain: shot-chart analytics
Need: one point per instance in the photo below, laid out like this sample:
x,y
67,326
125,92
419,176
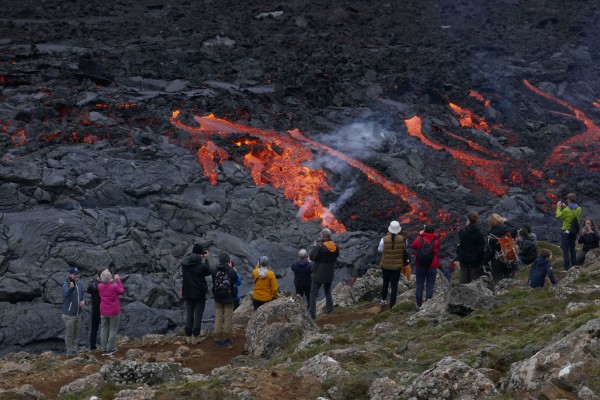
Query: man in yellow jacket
x,y
265,283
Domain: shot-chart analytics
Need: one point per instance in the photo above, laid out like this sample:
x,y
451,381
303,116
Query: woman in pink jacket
x,y
110,310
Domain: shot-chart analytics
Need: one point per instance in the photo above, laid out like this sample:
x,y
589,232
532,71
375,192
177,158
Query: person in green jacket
x,y
567,213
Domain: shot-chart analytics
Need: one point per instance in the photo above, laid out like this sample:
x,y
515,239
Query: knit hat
x,y
223,258
73,271
394,227
198,249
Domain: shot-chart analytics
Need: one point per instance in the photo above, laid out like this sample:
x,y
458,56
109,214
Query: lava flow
x,y
280,160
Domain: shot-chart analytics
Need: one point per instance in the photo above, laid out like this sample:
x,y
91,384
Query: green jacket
x,y
566,214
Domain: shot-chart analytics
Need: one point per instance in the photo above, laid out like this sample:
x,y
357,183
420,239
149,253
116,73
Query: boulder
x,y
464,299
276,325
451,379
128,372
81,385
321,367
560,369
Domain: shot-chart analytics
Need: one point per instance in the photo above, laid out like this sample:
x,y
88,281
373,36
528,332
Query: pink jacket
x,y
109,298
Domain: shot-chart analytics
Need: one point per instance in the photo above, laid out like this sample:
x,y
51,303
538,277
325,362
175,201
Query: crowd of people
x,y
499,253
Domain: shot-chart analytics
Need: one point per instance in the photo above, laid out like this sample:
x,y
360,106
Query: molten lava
x,y
469,119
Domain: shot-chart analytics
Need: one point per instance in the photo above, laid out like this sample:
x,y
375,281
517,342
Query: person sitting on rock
x,y
540,269
302,268
589,240
266,288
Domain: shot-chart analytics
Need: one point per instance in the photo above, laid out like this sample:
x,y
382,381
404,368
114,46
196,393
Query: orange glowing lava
x,y
469,119
479,97
281,160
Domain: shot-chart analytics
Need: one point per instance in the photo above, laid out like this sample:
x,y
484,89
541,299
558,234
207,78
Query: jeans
x,y
567,244
194,308
109,325
314,293
72,328
223,318
425,278
390,276
95,319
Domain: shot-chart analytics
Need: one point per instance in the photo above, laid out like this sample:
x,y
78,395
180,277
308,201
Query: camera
x,y
72,280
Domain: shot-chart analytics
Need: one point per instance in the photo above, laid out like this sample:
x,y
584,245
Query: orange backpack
x,y
509,249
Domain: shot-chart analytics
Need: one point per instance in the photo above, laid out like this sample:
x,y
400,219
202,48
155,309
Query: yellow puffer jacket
x,y
265,284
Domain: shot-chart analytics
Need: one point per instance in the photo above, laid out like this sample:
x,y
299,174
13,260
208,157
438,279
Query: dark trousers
x,y
469,272
94,329
425,280
304,290
194,308
500,271
390,276
314,293
567,244
258,303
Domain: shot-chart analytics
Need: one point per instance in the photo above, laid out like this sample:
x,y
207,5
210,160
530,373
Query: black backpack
x,y
425,254
222,285
574,228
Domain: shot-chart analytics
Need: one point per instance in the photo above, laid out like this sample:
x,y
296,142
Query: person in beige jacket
x,y
395,260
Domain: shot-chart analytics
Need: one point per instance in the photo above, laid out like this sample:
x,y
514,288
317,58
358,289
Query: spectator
x,y
528,251
498,228
567,213
470,248
324,255
72,310
394,261
426,274
302,268
589,239
540,269
265,283
194,269
92,289
238,283
110,310
224,286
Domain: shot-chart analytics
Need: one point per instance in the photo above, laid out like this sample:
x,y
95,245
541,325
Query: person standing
x,y
302,268
498,229
266,288
540,269
92,289
194,268
324,255
426,274
224,281
471,243
394,261
588,239
72,310
110,310
567,213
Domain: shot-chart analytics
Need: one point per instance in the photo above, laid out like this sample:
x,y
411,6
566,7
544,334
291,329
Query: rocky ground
x,y
97,170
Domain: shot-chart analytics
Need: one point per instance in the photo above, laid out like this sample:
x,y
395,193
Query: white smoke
x,y
358,140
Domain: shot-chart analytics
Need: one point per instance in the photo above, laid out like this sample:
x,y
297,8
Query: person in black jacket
x,y
471,243
194,268
302,268
324,255
528,251
589,239
92,289
498,228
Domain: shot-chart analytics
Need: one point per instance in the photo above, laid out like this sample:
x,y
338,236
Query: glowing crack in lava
x,y
280,160
468,119
581,149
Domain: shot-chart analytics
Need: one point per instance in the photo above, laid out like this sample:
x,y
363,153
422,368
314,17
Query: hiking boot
x,y
218,343
382,303
197,339
227,342
188,339
110,352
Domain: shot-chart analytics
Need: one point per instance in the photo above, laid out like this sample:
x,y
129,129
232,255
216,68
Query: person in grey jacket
x,y
72,310
324,255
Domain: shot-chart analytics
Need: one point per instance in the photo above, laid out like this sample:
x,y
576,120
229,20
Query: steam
x,y
359,140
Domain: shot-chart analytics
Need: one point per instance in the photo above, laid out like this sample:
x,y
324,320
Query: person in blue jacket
x,y
72,309
302,268
540,269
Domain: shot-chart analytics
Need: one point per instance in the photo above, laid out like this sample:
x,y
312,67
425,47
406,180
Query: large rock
x,y
81,385
276,325
464,299
132,372
559,370
321,367
451,379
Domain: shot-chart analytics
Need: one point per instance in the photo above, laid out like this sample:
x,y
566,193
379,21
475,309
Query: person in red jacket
x,y
426,274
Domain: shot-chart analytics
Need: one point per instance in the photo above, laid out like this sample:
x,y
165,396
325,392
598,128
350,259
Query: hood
x,y
428,237
330,246
262,272
573,206
192,259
